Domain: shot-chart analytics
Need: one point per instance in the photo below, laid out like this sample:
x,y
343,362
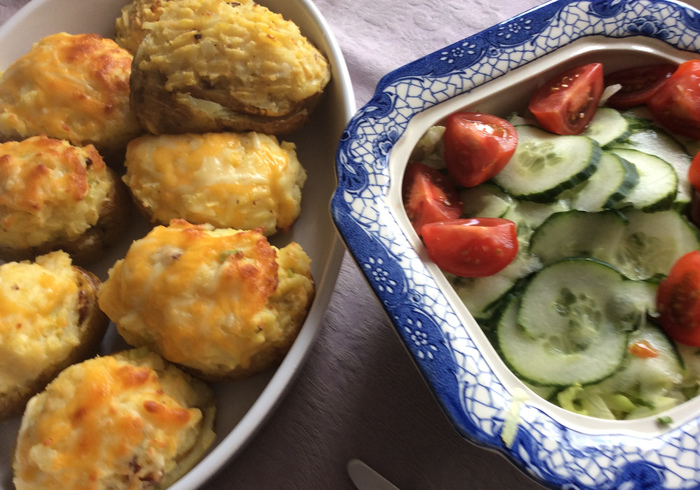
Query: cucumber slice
x,y
579,234
658,142
653,242
567,328
545,164
528,216
612,181
607,126
481,294
485,201
658,182
640,114
429,149
574,298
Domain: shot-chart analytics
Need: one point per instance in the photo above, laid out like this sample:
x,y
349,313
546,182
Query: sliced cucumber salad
x,y
601,218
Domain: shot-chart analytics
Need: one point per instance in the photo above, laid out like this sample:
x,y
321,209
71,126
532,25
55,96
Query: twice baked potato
x,y
72,87
49,319
128,420
54,195
230,180
212,65
223,303
128,29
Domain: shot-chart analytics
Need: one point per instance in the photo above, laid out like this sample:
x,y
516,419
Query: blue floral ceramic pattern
x,y
472,395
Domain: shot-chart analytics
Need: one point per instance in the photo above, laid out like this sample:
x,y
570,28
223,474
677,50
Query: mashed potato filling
x,y
38,317
206,298
229,180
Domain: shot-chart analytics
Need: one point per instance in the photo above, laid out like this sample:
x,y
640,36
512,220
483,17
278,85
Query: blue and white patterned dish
x,y
495,71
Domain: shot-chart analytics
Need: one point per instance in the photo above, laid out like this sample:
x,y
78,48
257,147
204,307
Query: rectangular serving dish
x,y
495,71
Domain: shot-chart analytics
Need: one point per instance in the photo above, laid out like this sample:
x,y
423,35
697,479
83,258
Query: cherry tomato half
x,y
567,102
471,247
676,105
638,84
477,146
694,172
429,196
678,300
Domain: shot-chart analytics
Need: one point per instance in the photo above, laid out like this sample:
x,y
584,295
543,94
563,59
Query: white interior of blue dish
x,y
502,97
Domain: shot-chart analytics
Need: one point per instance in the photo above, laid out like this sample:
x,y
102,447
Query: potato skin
x,y
92,326
211,65
164,112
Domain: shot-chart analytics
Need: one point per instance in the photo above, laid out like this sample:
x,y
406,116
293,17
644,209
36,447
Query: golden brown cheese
x,y
122,421
39,317
226,60
210,299
73,87
49,190
229,180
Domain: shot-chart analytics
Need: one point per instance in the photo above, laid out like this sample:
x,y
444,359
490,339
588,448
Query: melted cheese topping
x,y
239,49
229,180
49,190
73,87
39,316
110,422
203,297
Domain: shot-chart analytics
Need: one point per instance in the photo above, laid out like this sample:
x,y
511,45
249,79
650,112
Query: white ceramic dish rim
x,y
368,211
340,94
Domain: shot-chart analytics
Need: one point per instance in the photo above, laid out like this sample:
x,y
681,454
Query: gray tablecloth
x,y
359,395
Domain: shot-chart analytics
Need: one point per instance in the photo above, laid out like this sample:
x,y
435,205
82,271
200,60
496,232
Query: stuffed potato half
x,y
54,195
229,180
128,420
73,87
212,65
49,319
224,303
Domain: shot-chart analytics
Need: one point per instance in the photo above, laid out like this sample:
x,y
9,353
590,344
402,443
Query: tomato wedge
x,y
471,247
676,105
638,84
678,300
477,146
694,172
429,196
567,102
